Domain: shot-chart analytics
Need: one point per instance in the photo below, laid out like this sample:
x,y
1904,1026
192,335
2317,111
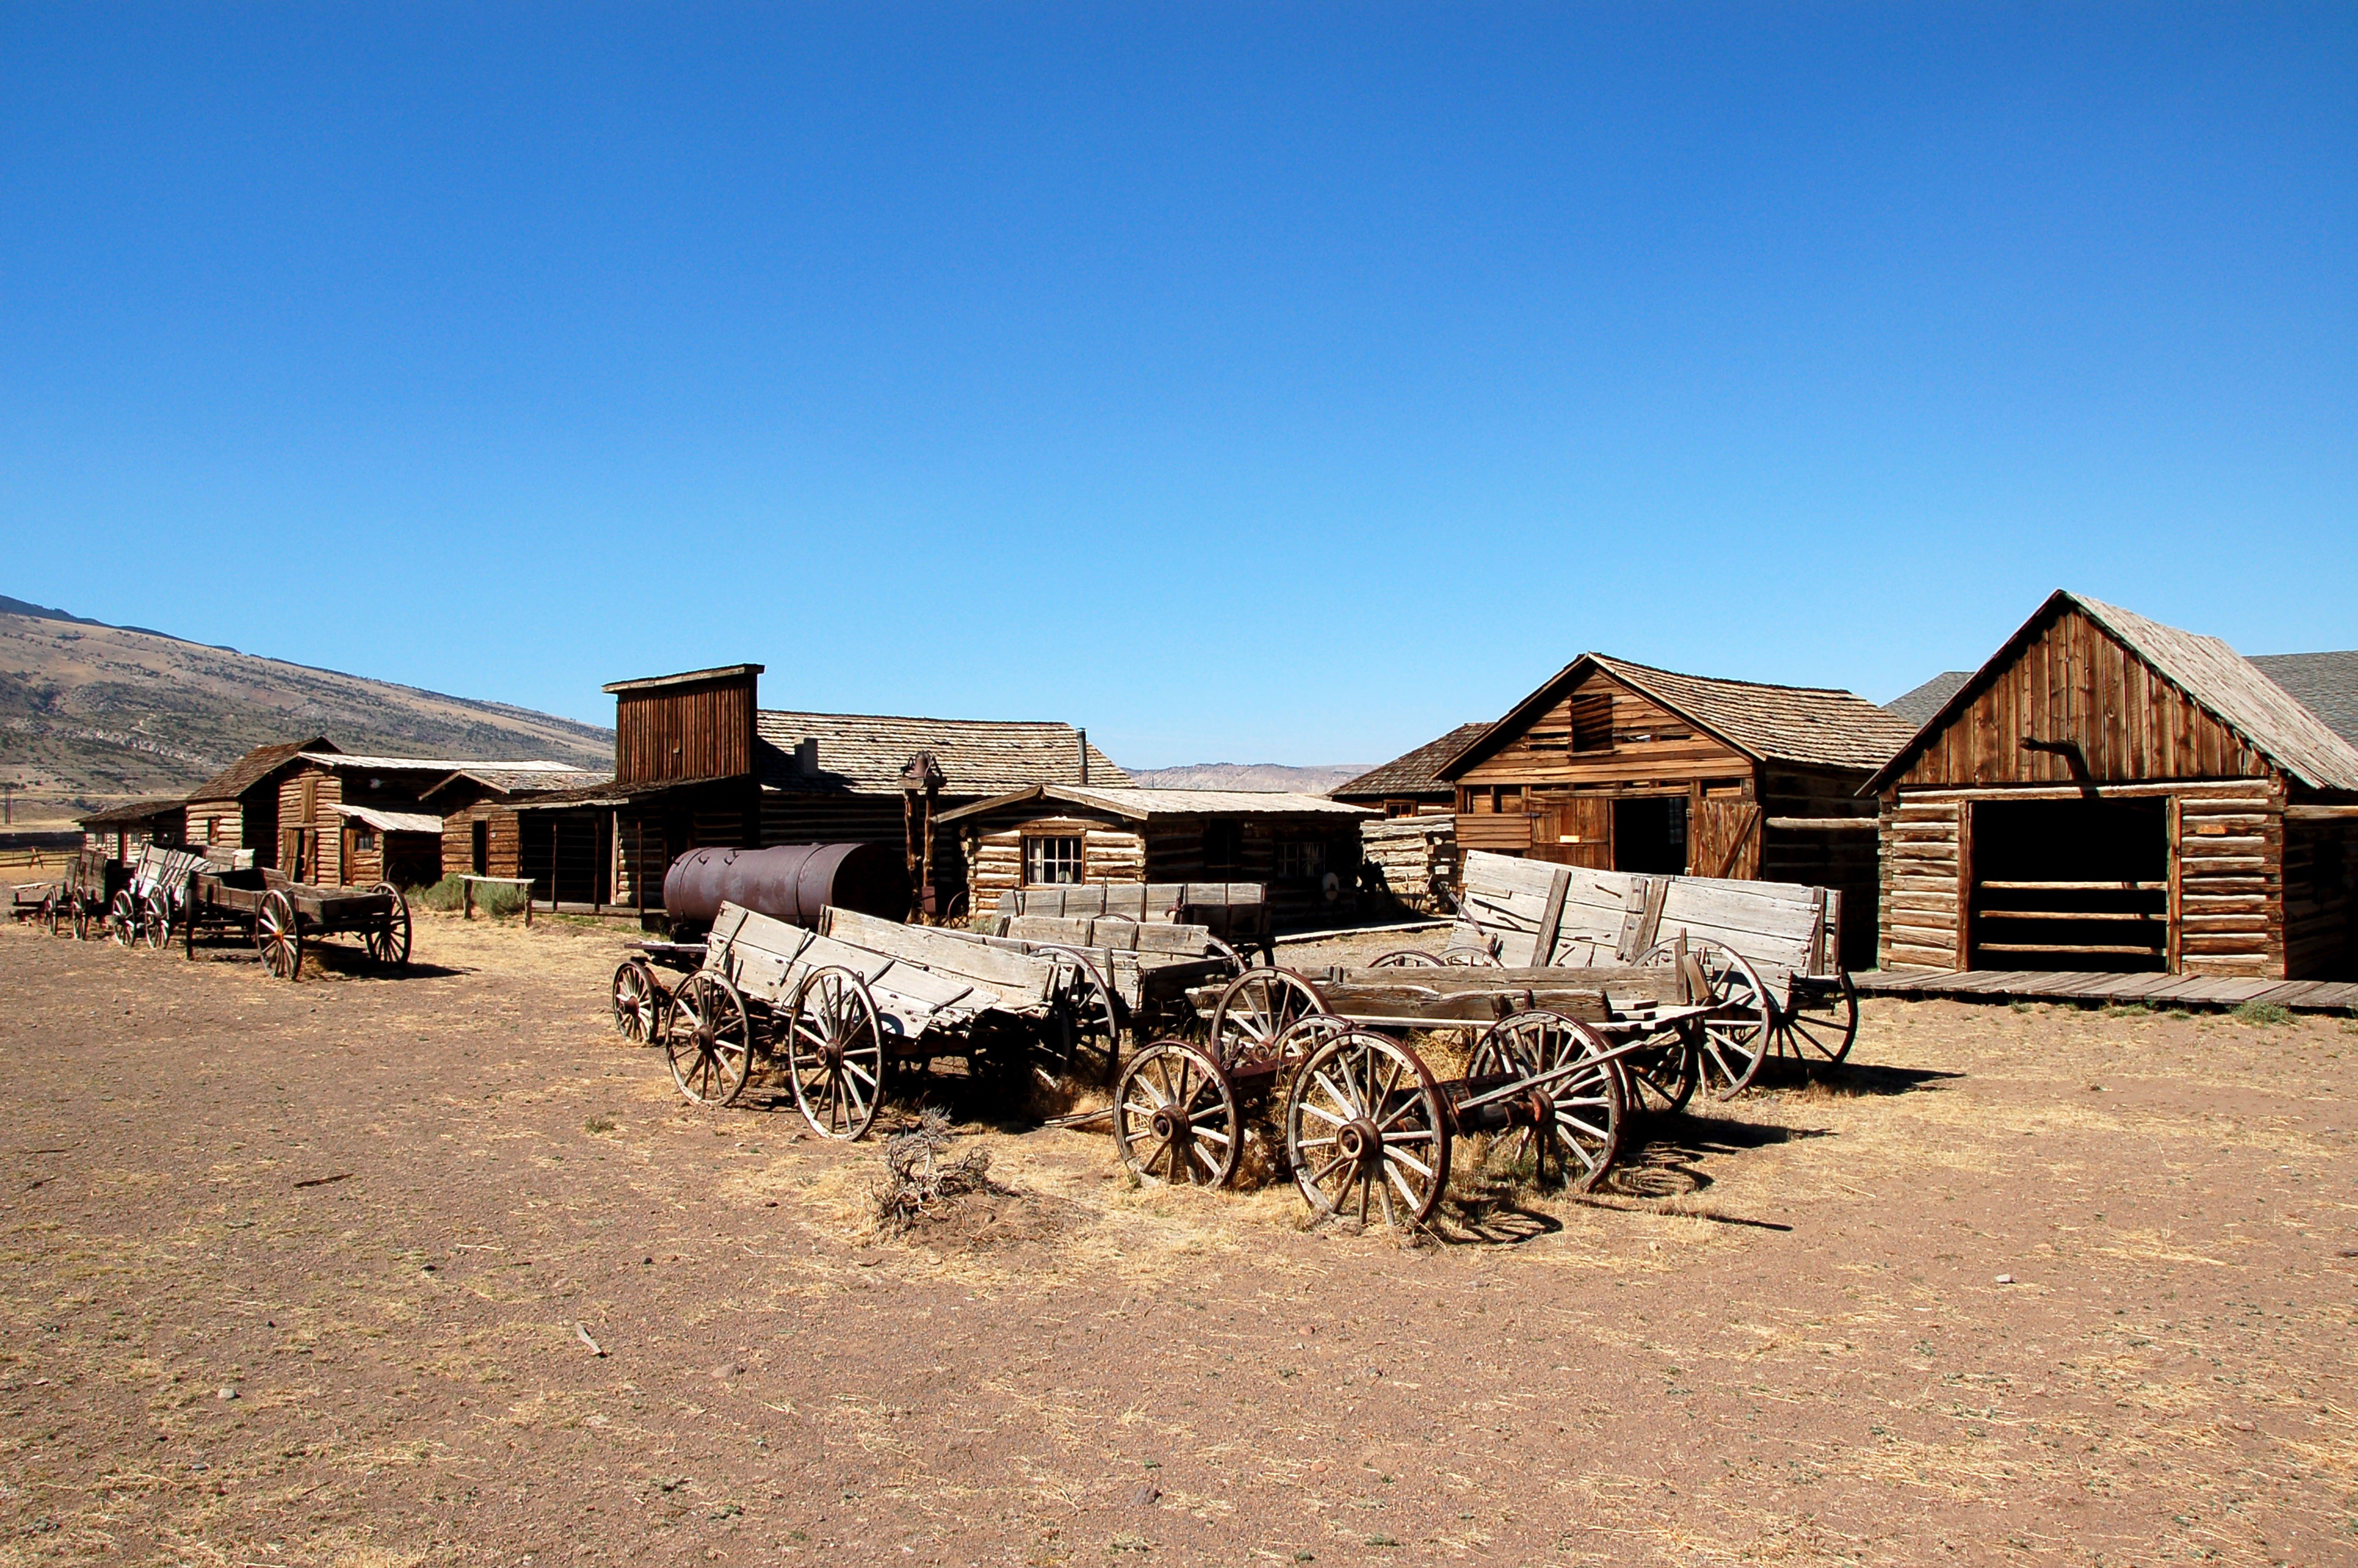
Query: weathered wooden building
x,y
352,821
2111,793
1621,767
1305,847
238,806
698,761
1412,784
531,824
119,830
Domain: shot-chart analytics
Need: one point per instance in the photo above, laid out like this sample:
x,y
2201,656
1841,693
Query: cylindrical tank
x,y
789,882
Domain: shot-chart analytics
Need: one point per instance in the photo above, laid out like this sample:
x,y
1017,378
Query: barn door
x,y
1723,840
1577,831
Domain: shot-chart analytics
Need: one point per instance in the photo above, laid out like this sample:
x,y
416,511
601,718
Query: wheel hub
x,y
1168,1123
1360,1142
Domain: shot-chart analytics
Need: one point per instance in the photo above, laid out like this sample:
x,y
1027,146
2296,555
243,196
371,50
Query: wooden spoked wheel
x,y
82,918
1366,1131
1817,1024
1409,958
122,919
1084,1032
278,936
1569,1128
1735,1039
1236,962
53,915
1174,1118
1662,1071
708,1039
1472,958
1255,1008
835,1052
388,940
155,919
640,1002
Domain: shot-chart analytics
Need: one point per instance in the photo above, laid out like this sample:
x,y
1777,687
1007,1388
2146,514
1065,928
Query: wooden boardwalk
x,y
2161,990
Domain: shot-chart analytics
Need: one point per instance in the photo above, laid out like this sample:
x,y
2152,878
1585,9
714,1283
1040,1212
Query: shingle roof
x,y
501,779
563,772
255,766
132,811
1142,804
1417,773
1813,726
2231,687
686,678
864,753
2325,683
1916,707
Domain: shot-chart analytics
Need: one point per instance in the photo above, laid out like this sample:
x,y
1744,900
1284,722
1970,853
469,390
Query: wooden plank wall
x,y
328,789
701,731
501,826
2227,875
2072,682
1165,850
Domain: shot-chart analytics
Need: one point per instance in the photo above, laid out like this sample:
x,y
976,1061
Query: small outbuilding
x,y
565,849
1305,847
238,807
352,821
1622,767
2111,793
119,830
1411,785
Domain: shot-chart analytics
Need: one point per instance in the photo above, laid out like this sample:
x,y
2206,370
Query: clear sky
x,y
1254,383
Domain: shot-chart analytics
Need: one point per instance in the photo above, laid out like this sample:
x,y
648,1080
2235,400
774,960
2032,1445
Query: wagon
x,y
1238,914
76,901
1368,1129
149,906
1137,972
1770,951
283,918
841,1011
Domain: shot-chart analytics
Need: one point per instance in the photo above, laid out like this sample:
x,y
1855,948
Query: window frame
x,y
1078,841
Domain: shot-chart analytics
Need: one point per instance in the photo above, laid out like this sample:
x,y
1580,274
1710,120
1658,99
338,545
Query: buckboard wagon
x,y
1770,951
1238,914
75,902
1143,969
149,906
281,918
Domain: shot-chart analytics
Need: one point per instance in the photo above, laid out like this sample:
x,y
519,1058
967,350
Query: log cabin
x,y
1411,785
238,807
1622,767
1305,847
2110,793
564,848
698,761
118,831
354,821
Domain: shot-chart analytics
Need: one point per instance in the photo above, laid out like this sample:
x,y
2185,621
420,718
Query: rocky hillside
x,y
91,714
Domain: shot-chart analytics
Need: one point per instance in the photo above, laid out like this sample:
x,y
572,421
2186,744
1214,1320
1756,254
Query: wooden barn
x,y
238,807
1412,785
527,823
119,830
1304,847
698,761
352,821
1621,767
2110,793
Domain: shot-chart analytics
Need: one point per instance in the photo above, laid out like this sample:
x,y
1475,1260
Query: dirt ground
x,y
313,1274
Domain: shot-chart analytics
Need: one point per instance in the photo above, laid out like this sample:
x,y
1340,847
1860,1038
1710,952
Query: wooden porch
x,y
2153,989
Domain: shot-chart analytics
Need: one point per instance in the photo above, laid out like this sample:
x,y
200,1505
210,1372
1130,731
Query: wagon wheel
x,y
709,1040
1736,1031
1471,959
1365,1132
640,1002
1816,1025
155,919
1573,1123
388,941
1174,1118
1236,961
81,916
1257,1007
52,913
1086,1028
1661,1073
835,1049
122,919
1409,958
279,935
190,923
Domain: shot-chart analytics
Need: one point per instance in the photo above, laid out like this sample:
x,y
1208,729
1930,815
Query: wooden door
x,y
1576,831
1724,840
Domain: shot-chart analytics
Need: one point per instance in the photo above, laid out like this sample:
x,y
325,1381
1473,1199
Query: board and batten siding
x,y
699,731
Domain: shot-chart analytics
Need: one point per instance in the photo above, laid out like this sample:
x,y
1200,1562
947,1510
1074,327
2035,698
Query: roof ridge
x,y
1613,659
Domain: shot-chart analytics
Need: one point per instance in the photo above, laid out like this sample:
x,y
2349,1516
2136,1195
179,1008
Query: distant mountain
x,y
1262,776
92,714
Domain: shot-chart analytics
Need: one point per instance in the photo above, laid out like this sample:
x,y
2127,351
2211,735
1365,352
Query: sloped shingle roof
x,y
864,753
505,780
255,766
558,773
1142,804
1915,707
133,811
2325,683
1416,773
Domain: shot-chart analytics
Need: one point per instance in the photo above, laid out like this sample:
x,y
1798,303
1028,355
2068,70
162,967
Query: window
x,y
1299,860
1047,861
1592,721
213,829
364,840
1224,848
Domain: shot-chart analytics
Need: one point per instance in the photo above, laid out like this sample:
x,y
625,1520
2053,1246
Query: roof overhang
x,y
387,821
686,678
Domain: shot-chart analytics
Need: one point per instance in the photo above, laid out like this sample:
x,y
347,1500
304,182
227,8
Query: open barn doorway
x,y
1649,834
2071,884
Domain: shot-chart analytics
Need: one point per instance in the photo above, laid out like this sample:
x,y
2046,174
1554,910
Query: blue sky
x,y
1256,383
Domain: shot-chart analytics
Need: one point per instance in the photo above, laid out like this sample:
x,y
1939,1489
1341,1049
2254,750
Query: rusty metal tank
x,y
788,881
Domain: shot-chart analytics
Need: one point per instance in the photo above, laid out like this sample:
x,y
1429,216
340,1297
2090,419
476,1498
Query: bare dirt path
x,y
382,1214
